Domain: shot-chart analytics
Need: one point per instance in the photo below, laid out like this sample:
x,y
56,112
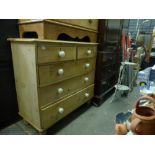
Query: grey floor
x,y
87,120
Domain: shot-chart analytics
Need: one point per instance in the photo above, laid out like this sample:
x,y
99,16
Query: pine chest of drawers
x,y
53,78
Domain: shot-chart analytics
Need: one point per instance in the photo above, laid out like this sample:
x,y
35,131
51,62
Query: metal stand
x,y
122,74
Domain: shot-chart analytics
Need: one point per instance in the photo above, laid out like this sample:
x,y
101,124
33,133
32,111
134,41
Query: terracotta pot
x,y
143,119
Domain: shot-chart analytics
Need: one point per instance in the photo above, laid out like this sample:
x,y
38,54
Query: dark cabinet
x,y
8,99
108,58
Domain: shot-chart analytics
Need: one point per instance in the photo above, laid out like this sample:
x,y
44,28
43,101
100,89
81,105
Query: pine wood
x,y
36,82
47,42
51,54
49,94
48,74
55,21
86,23
51,115
53,30
82,52
37,27
50,29
82,23
24,63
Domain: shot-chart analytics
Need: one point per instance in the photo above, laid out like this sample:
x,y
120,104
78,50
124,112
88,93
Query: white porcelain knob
x,y
87,65
86,94
43,47
89,52
61,110
60,90
60,71
86,79
61,54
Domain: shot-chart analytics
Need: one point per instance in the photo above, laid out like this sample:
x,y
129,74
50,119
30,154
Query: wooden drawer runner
x,y
56,53
52,93
49,74
57,111
86,52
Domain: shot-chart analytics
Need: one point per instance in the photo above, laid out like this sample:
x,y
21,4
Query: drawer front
x,y
49,74
57,111
86,65
87,23
86,52
53,54
53,93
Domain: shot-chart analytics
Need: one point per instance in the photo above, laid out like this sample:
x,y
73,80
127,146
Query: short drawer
x,y
86,52
50,94
54,73
86,65
53,54
57,111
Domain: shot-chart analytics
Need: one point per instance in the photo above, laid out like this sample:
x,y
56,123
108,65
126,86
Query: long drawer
x,y
55,53
87,23
52,93
57,111
49,74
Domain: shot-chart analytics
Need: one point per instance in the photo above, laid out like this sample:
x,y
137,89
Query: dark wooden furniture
x,y
108,58
8,100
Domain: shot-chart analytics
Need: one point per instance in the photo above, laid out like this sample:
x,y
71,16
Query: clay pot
x,y
143,119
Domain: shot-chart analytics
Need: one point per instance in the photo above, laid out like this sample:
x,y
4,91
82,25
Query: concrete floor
x,y
86,120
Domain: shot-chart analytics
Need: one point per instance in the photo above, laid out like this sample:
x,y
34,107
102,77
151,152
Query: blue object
x,y
122,117
152,75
